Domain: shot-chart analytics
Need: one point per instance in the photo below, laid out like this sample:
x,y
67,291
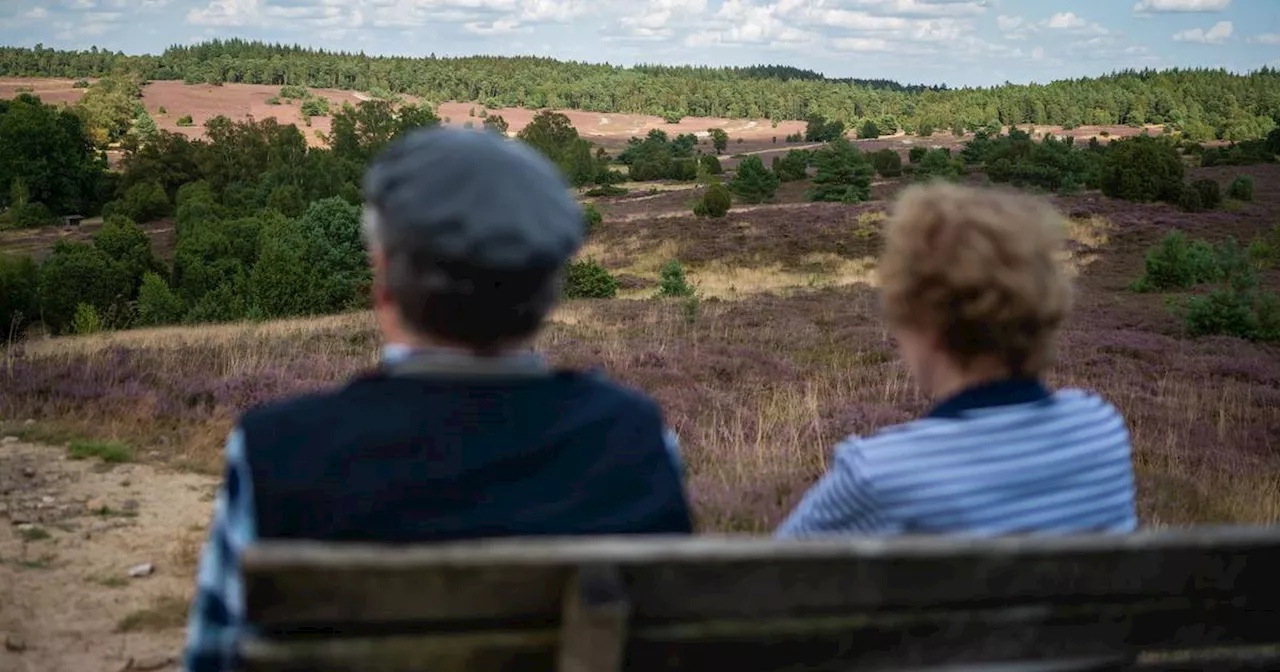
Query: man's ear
x,y
378,266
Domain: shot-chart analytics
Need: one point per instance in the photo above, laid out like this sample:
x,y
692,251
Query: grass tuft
x,y
113,452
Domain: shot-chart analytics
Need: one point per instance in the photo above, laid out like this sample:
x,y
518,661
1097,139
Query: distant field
x,y
242,101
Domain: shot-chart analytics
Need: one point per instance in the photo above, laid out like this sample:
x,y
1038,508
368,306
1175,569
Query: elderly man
x,y
463,432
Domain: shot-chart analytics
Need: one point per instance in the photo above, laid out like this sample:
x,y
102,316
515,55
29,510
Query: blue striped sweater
x,y
1002,458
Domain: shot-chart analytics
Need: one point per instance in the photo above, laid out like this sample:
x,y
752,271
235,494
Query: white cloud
x,y
1148,6
36,13
499,27
224,13
925,7
1008,23
1265,38
861,44
1215,35
1064,20
1037,54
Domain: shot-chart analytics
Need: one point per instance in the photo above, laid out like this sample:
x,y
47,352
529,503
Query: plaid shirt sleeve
x,y
217,614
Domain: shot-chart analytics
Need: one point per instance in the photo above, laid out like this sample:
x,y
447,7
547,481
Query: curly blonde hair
x,y
980,268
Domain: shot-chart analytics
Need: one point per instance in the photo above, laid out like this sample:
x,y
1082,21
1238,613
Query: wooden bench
x,y
747,604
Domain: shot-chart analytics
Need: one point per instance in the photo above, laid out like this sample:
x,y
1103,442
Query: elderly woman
x,y
974,295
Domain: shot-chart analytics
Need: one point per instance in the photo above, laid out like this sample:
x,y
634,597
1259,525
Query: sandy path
x,y
70,531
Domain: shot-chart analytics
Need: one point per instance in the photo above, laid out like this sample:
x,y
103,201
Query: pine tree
x,y
843,174
754,183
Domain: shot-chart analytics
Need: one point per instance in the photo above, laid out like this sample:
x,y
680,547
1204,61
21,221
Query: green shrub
x,y
273,100
753,183
1142,169
715,202
1190,200
19,287
794,166
587,279
887,162
81,84
294,92
31,216
143,202
85,321
916,154
157,303
1237,307
129,246
186,121
672,280
315,107
1177,263
162,110
591,218
1241,188
114,452
868,130
605,191
1210,193
711,164
76,273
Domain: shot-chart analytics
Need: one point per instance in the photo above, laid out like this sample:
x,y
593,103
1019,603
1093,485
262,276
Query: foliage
x,y
294,92
605,191
109,108
753,183
287,199
719,139
315,107
1177,263
76,273
157,303
50,151
1241,188
672,280
1018,159
658,157
587,279
125,243
794,166
185,121
868,130
1189,200
1237,307
1142,169
19,294
711,164
715,202
938,164
819,129
591,218
496,123
1210,193
843,174
360,132
142,202
916,154
144,126
31,216
85,321
552,134
273,100
887,162
312,265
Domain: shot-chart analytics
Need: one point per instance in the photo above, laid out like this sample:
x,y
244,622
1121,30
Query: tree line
x,y
1204,104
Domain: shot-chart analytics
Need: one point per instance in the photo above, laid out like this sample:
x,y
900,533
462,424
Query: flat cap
x,y
475,199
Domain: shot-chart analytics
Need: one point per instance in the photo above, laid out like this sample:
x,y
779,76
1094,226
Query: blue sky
x,y
958,42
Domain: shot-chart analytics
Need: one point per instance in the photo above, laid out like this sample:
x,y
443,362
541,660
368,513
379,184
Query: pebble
x,y
126,483
95,505
46,499
15,643
29,472
139,571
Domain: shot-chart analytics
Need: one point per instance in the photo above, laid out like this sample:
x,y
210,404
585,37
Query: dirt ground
x,y
71,532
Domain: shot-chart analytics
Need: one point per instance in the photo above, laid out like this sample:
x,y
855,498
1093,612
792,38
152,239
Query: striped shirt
x,y
1001,458
217,619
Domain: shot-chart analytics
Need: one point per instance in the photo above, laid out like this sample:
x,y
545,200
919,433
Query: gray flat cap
x,y
476,199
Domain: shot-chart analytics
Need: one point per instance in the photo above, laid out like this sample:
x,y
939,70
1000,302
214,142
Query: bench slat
x,y
1025,634
289,585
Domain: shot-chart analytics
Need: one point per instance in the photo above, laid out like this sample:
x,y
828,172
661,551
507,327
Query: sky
x,y
953,42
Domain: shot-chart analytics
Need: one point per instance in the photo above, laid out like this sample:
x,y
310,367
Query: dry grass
x,y
165,613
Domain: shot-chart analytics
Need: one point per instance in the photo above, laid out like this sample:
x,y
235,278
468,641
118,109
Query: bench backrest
x,y
744,604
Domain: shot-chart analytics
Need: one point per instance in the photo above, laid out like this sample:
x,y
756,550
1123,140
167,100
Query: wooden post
x,y
593,632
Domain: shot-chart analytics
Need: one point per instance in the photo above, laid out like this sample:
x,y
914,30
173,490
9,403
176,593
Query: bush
x,y
754,183
938,164
1177,263
916,154
162,110
672,280
591,218
715,202
887,162
81,84
924,130
129,246
1237,307
843,174
1241,188
273,100
1210,193
85,320
157,303
587,279
711,164
868,130
186,121
1142,169
606,190
19,287
294,92
315,107
31,216
143,202
1189,200
78,273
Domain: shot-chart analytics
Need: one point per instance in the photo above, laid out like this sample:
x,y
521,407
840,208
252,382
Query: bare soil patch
x,y
50,90
70,532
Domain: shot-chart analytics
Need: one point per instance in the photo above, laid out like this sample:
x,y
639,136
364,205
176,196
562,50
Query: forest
x,y
1203,104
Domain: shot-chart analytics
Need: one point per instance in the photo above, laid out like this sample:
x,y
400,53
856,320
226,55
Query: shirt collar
x,y
409,360
1007,392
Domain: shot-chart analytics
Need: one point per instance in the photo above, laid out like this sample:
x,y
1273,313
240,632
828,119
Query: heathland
x,y
729,271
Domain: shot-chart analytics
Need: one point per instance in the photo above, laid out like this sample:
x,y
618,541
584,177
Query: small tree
x,y
591,218
672,280
587,279
1210,193
273,100
887,162
1142,169
711,164
843,174
1177,263
496,123
754,183
715,202
1241,188
315,107
868,130
794,166
916,154
157,303
186,121
86,320
719,139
